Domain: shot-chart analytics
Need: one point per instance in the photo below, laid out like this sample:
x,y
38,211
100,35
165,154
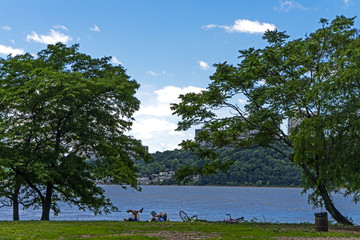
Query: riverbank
x,y
168,230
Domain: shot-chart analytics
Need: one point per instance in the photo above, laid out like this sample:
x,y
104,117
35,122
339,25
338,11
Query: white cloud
x,y
61,27
159,110
9,50
6,27
152,73
155,125
347,2
164,97
52,37
12,41
114,60
210,26
287,5
146,128
204,65
95,28
170,94
159,134
244,26
242,101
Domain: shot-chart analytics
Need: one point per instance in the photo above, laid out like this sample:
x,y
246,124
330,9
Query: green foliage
x,y
314,81
255,167
64,116
249,167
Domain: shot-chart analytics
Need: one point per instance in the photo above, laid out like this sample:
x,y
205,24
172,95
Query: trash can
x,y
321,222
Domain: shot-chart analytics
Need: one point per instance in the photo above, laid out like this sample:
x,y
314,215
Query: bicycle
x,y
186,218
232,220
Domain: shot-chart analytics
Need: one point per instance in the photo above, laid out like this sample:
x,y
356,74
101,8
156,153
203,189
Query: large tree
x,y
314,82
64,118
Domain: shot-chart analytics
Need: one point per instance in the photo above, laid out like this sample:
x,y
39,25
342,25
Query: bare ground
x,y
168,235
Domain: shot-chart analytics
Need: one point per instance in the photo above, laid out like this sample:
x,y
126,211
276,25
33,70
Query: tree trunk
x,y
15,199
330,207
46,204
15,203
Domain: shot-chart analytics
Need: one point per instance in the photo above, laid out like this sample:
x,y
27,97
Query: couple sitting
x,y
155,217
161,217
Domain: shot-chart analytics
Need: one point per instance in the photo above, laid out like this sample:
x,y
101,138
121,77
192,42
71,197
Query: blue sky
x,y
168,46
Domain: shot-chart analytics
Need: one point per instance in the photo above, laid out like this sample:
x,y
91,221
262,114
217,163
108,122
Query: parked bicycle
x,y
233,220
186,218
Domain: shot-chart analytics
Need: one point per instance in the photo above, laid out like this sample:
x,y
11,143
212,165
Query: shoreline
x,y
180,185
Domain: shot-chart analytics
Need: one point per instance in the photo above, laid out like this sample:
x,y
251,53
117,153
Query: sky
x,y
168,46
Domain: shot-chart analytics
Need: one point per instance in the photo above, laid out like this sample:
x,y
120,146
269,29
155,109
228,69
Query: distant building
x,y
293,122
146,148
242,136
144,181
155,178
203,144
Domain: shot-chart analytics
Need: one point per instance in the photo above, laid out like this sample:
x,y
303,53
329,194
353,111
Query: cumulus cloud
x,y
164,97
170,94
61,27
95,28
146,128
51,38
159,134
244,26
9,50
286,6
6,27
155,125
114,60
204,65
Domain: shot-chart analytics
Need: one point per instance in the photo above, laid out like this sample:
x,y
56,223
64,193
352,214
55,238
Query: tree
x,y
313,82
64,116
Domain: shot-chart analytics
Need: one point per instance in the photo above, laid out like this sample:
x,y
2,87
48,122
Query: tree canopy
x,y
64,118
312,82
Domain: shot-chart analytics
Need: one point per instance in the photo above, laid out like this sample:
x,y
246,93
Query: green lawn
x,y
167,230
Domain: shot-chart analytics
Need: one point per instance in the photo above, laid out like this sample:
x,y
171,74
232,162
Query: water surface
x,y
284,205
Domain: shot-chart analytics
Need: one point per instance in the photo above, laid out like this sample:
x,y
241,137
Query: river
x,y
275,205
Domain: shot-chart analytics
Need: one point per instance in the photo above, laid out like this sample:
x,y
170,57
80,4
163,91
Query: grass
x,y
105,230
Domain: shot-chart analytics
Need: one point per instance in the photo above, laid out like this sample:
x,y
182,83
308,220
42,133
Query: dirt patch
x,y
322,238
345,229
173,235
182,235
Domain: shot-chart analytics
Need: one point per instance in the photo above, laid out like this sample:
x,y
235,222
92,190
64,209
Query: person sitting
x,y
134,215
161,217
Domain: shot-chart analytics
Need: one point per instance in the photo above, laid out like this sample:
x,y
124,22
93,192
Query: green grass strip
x,y
167,230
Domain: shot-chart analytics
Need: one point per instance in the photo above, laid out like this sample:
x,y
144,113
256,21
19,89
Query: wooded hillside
x,y
251,167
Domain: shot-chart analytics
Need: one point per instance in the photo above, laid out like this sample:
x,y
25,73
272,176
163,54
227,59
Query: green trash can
x,y
321,222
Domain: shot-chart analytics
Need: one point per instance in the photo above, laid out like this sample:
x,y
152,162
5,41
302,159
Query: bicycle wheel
x,y
184,216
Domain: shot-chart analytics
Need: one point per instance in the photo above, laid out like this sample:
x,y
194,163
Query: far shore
x,y
188,185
